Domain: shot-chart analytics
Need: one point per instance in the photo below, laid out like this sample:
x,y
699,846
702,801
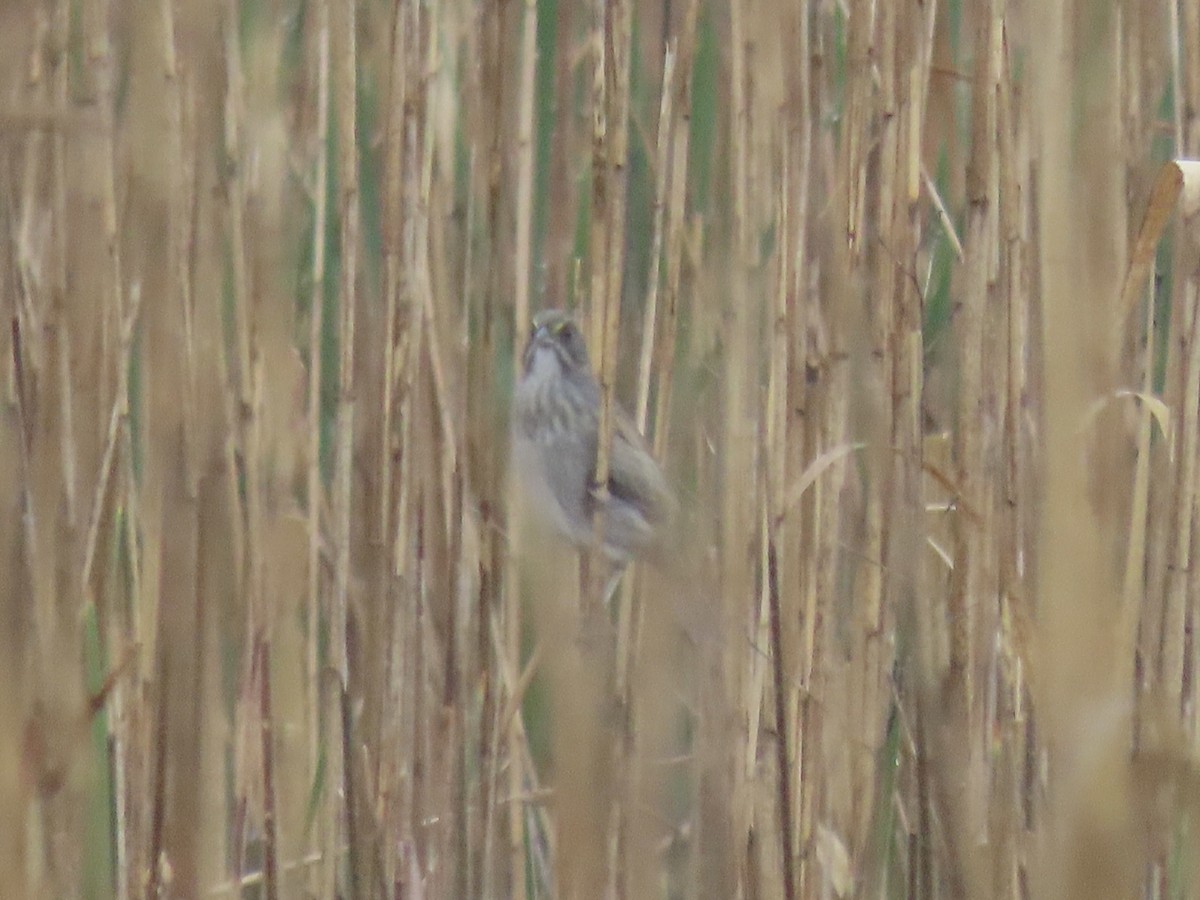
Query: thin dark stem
x,y
158,810
781,741
270,848
348,787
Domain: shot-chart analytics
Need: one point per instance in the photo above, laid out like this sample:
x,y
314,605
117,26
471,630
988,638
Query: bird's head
x,y
555,339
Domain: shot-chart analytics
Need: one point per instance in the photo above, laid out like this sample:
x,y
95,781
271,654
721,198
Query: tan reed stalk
x,y
510,658
970,542
15,802
561,192
626,859
643,731
784,637
971,590
810,426
239,402
1076,579
1186,472
604,322
314,489
728,853
904,550
662,160
680,133
391,554
796,535
70,449
340,813
1187,83
1010,812
129,738
39,406
1160,610
869,415
1143,581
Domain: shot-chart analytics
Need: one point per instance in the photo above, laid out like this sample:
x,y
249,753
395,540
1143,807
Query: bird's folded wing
x,y
633,476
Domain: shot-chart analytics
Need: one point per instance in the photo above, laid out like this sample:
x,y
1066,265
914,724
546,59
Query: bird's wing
x,y
634,477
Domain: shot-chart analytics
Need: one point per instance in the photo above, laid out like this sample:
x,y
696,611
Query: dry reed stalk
x,y
161,198
604,321
487,314
71,448
644,715
846,261
40,404
1161,610
627,860
1010,820
1143,580
270,826
1187,81
244,422
971,541
341,813
523,266
314,489
782,694
907,586
561,194
797,439
1185,481
680,133
15,802
972,590
97,234
725,851
784,639
864,344
391,555
662,160
523,261
1076,584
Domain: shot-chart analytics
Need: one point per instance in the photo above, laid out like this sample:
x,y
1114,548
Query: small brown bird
x,y
555,427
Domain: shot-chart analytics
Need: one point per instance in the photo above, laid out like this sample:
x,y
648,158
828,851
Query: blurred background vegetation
x,y
904,295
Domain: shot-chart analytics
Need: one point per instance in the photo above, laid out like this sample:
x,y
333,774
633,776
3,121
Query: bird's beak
x,y
538,337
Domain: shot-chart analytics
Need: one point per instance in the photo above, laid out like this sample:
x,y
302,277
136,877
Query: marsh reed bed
x,y
903,294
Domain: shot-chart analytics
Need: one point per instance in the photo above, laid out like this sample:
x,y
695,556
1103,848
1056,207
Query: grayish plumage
x,y
556,413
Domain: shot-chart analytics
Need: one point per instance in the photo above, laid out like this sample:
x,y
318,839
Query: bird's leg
x,y
597,626
610,589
